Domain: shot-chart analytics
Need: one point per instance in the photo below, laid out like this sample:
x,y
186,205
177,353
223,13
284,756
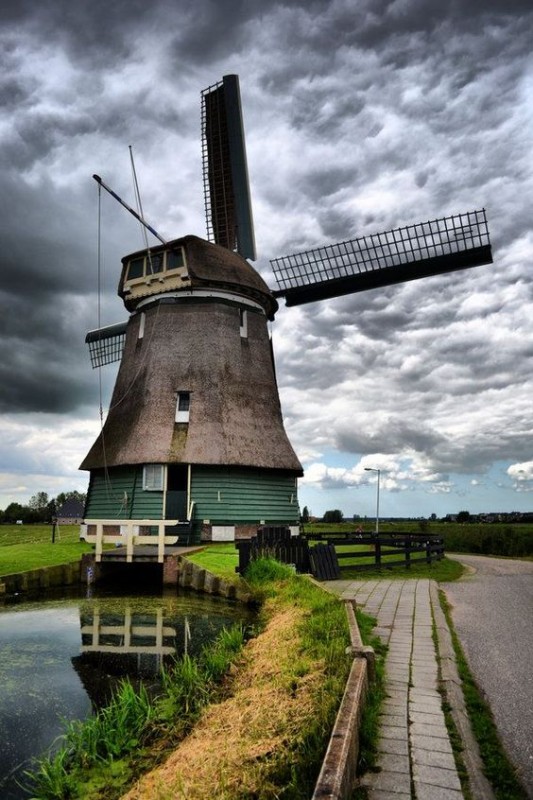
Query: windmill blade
x,y
106,344
228,208
403,254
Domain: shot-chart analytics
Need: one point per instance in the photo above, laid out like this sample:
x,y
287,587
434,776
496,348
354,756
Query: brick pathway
x,y
415,754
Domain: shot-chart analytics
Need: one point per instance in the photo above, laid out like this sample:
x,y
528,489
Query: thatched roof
x,y
194,345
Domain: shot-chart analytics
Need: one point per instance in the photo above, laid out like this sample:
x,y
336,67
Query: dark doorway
x,y
177,476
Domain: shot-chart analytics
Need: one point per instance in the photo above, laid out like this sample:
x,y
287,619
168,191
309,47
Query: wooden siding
x,y
229,496
105,498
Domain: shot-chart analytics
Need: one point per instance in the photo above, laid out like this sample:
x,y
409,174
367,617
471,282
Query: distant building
x,y
70,513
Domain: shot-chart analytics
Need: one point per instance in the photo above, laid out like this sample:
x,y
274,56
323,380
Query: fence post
x,y
428,552
244,547
377,548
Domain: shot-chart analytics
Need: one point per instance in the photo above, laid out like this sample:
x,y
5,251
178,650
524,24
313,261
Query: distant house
x,y
71,512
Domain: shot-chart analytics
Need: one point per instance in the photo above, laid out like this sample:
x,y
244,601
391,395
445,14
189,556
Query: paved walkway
x,y
415,754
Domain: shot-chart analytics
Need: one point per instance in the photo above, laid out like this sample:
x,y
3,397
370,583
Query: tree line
x,y
40,508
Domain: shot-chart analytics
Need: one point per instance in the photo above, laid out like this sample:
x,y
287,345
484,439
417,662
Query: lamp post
x,y
373,469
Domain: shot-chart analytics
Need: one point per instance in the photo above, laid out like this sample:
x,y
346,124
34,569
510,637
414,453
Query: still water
x,y
61,657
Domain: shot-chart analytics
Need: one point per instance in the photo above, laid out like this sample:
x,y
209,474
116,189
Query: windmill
x,y
194,440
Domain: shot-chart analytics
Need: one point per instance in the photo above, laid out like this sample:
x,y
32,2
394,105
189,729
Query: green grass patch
x,y
443,570
27,547
324,636
370,722
23,558
497,766
220,559
37,534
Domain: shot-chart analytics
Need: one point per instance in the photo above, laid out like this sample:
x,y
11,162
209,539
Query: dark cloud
x,y
360,117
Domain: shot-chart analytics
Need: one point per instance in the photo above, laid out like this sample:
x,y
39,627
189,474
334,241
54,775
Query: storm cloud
x,y
359,117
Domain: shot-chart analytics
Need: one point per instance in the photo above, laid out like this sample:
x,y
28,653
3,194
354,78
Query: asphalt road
x,y
493,616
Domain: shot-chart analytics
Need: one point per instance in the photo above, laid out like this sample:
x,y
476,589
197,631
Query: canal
x,y
61,656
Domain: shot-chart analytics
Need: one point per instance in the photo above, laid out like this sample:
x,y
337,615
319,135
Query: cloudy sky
x,y
360,115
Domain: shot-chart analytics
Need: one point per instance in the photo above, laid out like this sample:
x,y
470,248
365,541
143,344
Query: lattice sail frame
x,y
402,254
228,211
106,344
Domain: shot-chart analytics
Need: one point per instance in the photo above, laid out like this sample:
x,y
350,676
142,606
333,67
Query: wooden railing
x,y
129,535
326,560
383,551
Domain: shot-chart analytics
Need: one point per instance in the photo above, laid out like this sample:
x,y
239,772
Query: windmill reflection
x,y
128,644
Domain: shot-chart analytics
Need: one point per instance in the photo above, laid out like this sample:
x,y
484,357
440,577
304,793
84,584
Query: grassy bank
x,y
99,757
27,547
261,732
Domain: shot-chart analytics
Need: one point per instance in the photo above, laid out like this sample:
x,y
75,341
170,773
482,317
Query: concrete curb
x,y
479,785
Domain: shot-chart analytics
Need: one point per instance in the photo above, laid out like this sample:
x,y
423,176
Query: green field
x,y
27,547
496,539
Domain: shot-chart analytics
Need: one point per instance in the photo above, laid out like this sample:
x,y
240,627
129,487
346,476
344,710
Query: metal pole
x,y
377,506
128,208
374,469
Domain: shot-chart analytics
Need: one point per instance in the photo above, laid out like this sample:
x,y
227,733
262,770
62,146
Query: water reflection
x,y
60,658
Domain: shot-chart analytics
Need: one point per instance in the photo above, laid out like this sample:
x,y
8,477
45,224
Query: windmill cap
x,y
213,266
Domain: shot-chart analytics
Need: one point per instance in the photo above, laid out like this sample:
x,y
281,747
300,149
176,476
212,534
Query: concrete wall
x,y
43,578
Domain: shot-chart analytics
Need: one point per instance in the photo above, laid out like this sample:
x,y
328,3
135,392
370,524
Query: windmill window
x,y
174,259
243,323
153,477
144,267
136,268
155,263
183,405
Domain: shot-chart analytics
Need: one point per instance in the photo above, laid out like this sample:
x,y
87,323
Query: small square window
x,y
153,477
183,404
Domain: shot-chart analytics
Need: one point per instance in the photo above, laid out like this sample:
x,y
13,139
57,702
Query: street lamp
x,y
373,469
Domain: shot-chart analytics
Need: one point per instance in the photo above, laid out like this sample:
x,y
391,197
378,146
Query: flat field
x,y
27,547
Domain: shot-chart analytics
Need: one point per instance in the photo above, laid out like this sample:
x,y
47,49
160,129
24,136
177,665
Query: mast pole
x,y
98,180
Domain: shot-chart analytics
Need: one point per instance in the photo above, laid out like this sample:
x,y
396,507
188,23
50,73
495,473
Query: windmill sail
x,y
225,172
403,254
106,344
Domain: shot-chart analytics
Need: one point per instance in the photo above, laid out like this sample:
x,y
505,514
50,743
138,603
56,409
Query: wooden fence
x,y
334,553
277,543
383,551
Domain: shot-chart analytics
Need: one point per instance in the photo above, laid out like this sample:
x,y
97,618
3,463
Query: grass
x,y
497,766
513,540
260,732
27,547
268,736
221,559
370,722
443,570
99,757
